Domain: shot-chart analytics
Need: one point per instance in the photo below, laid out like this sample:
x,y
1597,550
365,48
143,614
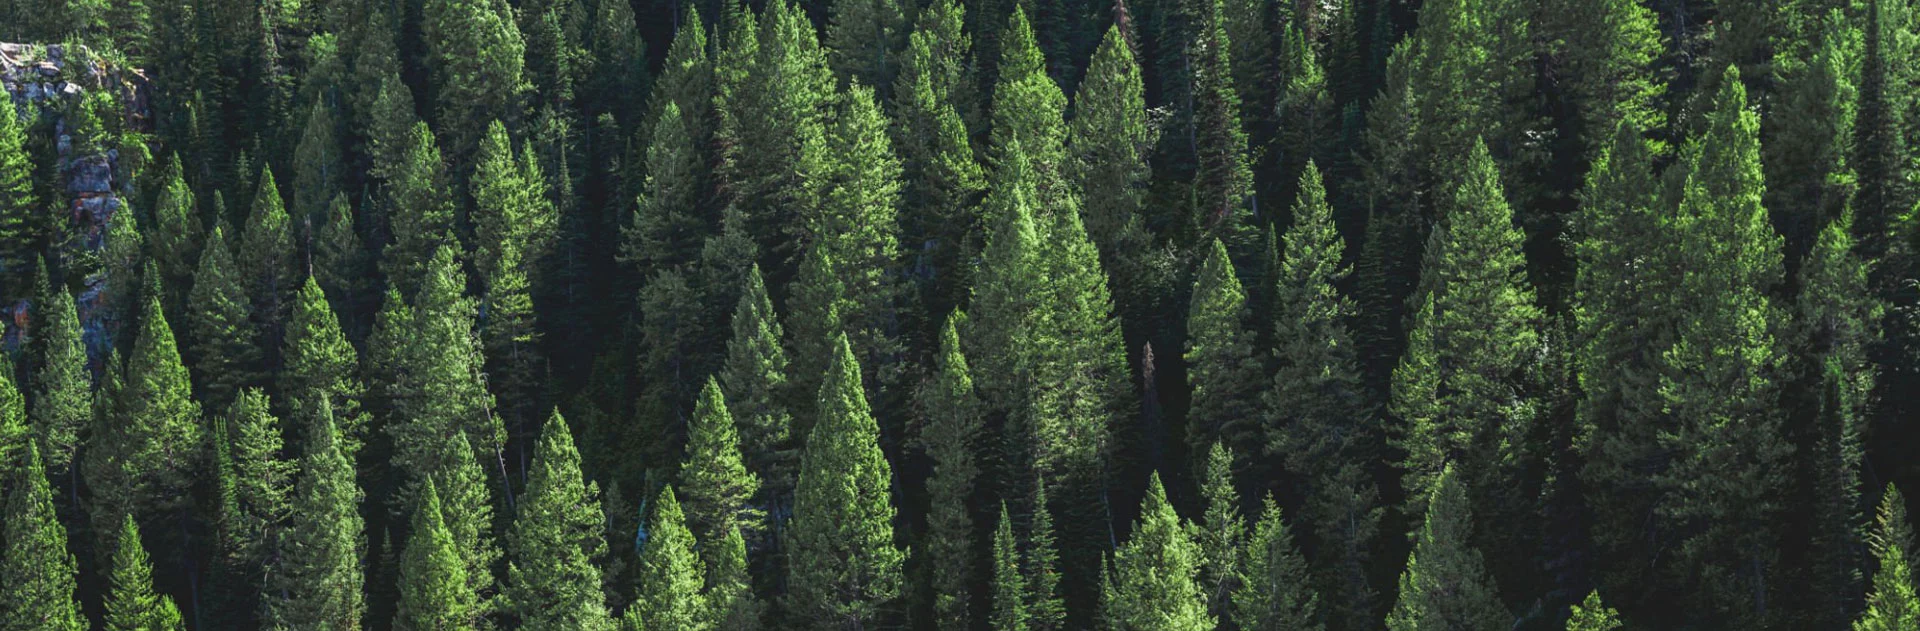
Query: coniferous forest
x,y
937,315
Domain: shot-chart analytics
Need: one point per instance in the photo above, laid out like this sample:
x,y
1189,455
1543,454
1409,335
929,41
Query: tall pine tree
x,y
556,538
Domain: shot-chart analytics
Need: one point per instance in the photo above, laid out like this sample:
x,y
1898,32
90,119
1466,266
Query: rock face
x,y
46,82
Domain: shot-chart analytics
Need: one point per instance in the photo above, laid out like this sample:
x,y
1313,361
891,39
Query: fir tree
x,y
422,212
218,312
265,263
1003,317
1893,603
1222,533
256,484
475,57
552,582
514,223
440,387
1309,124
146,444
671,574
317,581
772,123
1223,185
1222,368
23,231
62,385
1445,584
340,264
175,236
1809,139
864,40
858,223
718,486
729,589
319,362
1028,112
1458,389
952,420
319,168
943,178
754,383
434,591
38,593
1155,574
1608,50
1009,587
843,568
1592,615
1046,610
467,505
1274,591
667,229
617,63
1109,139
131,602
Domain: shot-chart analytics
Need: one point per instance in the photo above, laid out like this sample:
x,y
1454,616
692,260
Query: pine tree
x,y
1109,140
23,231
1155,573
62,385
1893,603
340,263
1592,615
319,362
1085,377
1003,317
1607,50
943,177
1445,584
952,420
1223,186
1046,610
552,582
146,444
218,312
175,237
729,586
475,59
819,305
317,581
864,40
440,387
467,505
1221,365
718,486
1275,591
1809,139
422,211
1883,132
1458,389
434,591
1223,532
1716,381
1009,587
131,603
843,567
1309,127
667,229
671,574
255,484
686,82
38,593
514,224
1028,112
617,63
319,168
1468,79
772,124
265,262
858,224
754,382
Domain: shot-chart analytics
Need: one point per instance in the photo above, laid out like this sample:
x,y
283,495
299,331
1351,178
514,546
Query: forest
x,y
937,315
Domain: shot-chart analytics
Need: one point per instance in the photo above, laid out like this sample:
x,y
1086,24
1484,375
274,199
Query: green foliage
x,y
316,581
1608,49
1009,587
1108,141
434,591
1445,585
857,224
256,484
62,386
38,592
131,603
666,230
1592,615
951,424
1274,591
1223,185
1223,532
730,592
754,382
1155,573
552,582
864,37
1028,110
1893,603
843,567
671,575
1046,610
218,312
175,237
475,57
319,362
943,179
265,263
319,166
1222,369
718,486
439,387
147,443
23,229
421,210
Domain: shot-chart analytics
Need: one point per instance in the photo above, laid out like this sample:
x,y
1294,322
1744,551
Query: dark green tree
x,y
319,362
864,40
671,574
1046,609
556,537
1108,141
1275,591
858,226
265,260
475,59
23,228
729,587
951,422
434,592
175,236
1445,584
514,223
421,208
754,382
667,229
719,488
319,168
146,447
440,387
843,566
1607,51
1223,199
1009,587
1222,367
223,343
61,403
255,486
1222,532
943,177
316,580
131,603
1155,574
38,593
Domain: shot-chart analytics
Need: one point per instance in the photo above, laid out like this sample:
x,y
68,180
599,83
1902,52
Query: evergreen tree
x,y
218,312
718,486
265,262
843,568
671,574
1028,112
38,593
943,177
729,589
1893,603
772,124
1221,365
1223,186
422,211
1155,573
864,40
1883,132
467,505
514,223
1004,316
440,387
434,591
1592,615
1046,610
131,603
340,263
1810,137
1716,381
754,383
667,229
256,485
1275,591
1009,587
1458,389
1108,139
1607,50
1445,584
146,443
1309,124
175,236
952,420
23,231
475,58
319,167
62,386
616,57
1222,533
319,362
552,582
317,580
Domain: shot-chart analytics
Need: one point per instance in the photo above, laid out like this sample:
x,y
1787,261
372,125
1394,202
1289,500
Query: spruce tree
x,y
1811,134
1222,367
718,486
23,231
1445,584
319,168
667,229
1607,50
38,593
1028,111
1108,141
440,387
951,423
422,216
340,263
1155,574
671,574
175,236
864,40
772,121
843,566
131,603
467,504
729,586
1223,185
1883,133
1222,532
1046,609
513,223
1009,587
1003,314
222,342
475,60
434,591
754,383
858,224
316,581
552,582
1275,591
1458,389
1893,603
265,261
146,446
1309,126
256,484
62,386
943,177
1592,615
319,362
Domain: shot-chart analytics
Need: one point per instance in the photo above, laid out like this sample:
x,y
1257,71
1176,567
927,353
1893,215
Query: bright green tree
x,y
466,498
62,385
255,483
420,206
1222,367
475,60
1592,615
951,424
1009,587
843,565
316,580
131,602
671,574
552,582
1046,609
943,177
1223,186
1607,50
858,224
667,229
754,382
1155,574
265,261
23,229
434,591
175,236
729,586
1806,156
222,342
1275,591
514,222
718,487
1222,533
1894,602
1029,111
146,445
319,362
1445,584
773,122
38,593
1108,141
864,40
1003,316
440,387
